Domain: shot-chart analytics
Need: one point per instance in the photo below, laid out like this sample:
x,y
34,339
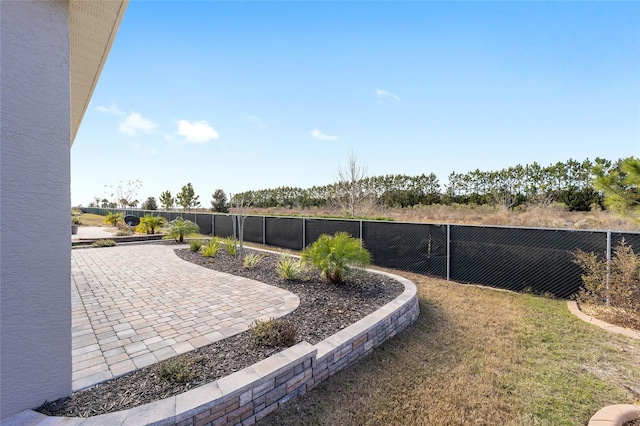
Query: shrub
x,y
622,292
149,223
180,227
113,218
335,255
104,243
122,233
195,245
273,332
75,220
252,260
211,249
231,246
176,371
291,268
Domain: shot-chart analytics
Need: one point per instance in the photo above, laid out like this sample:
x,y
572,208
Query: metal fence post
x,y
608,264
448,252
213,225
361,241
304,233
264,230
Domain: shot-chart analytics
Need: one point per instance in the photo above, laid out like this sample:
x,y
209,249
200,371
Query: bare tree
x,y
352,193
123,194
240,204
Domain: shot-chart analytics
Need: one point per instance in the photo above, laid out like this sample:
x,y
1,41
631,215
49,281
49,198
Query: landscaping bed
x,y
324,310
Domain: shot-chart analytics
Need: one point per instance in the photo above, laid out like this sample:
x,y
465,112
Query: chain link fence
x,y
533,260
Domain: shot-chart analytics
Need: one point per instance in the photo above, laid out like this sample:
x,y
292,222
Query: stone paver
x,y
135,305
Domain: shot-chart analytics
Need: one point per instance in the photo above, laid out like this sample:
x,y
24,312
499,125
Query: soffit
x,y
93,26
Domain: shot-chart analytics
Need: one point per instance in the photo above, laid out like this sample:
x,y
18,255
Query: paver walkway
x,y
136,305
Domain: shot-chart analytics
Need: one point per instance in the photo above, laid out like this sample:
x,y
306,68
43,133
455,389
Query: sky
x,y
242,95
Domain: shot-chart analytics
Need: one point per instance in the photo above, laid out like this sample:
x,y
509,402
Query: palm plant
x,y
336,255
180,227
149,223
113,218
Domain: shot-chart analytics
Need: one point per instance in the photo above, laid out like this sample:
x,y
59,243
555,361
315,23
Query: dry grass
x,y
554,216
90,219
479,356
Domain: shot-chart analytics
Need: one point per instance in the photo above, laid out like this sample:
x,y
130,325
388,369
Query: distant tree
x,y
134,203
150,204
187,197
351,193
123,193
104,203
219,203
620,186
167,200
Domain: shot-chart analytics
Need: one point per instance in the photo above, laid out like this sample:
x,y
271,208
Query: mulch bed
x,y
324,310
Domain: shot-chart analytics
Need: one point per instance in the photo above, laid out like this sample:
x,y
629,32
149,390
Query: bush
x,y
211,249
178,228
149,223
195,245
176,371
273,332
113,219
104,243
291,268
231,246
252,260
335,256
622,293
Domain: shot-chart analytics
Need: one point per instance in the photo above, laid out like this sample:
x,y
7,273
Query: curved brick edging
x,y
615,415
628,332
258,390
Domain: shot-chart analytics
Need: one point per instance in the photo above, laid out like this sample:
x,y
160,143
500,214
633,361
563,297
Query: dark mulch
x,y
324,310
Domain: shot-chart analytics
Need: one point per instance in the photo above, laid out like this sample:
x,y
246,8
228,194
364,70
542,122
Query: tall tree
x,y
620,185
187,197
219,202
167,200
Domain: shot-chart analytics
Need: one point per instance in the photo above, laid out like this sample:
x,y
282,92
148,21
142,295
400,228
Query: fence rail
x,y
538,260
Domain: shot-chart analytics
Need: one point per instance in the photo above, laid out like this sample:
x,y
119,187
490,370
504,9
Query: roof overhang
x,y
93,26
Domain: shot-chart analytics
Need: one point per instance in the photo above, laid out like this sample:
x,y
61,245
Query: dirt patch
x,y
324,310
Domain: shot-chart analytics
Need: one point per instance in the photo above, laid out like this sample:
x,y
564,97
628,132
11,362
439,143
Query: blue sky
x,y
252,95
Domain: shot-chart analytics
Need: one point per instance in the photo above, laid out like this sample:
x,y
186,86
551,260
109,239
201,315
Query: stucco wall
x,y
35,243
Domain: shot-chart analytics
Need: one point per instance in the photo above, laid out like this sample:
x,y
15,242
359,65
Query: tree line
x,y
570,182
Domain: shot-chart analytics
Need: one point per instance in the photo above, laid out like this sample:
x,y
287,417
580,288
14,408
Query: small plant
x,y
75,220
211,249
178,228
113,219
335,255
149,223
291,268
251,260
104,243
176,371
122,233
231,246
195,245
273,332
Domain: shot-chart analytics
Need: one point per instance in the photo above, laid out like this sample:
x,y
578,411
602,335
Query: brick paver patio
x,y
136,305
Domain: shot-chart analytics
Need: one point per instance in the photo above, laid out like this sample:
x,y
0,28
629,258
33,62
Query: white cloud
x,y
196,131
135,123
317,134
257,121
381,92
113,109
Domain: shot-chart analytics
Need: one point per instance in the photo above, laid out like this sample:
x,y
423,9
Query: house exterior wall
x,y
35,243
